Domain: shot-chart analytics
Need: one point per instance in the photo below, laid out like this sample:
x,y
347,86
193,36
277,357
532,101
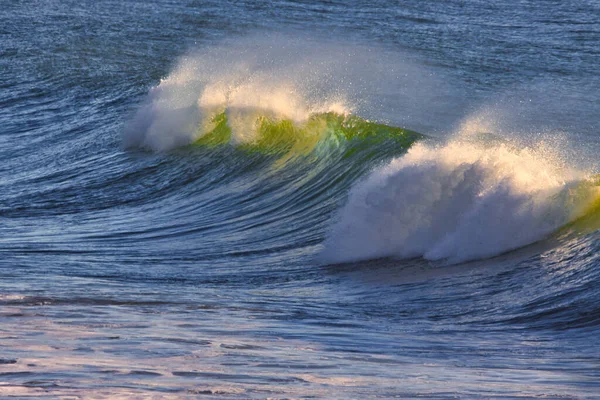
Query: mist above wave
x,y
279,78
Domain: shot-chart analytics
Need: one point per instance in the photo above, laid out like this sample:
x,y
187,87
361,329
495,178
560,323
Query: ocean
x,y
299,199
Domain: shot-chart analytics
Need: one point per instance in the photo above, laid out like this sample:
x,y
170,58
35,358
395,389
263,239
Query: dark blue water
x,y
303,247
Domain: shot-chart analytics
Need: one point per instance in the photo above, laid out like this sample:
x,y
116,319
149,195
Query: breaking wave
x,y
467,198
458,201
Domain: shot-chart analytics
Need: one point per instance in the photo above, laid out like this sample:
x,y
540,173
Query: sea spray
x,y
280,79
457,201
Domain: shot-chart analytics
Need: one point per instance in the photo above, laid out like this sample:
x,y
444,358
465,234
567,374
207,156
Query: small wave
x,y
458,201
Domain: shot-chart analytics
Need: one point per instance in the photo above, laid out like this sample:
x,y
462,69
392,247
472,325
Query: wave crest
x,y
459,201
280,79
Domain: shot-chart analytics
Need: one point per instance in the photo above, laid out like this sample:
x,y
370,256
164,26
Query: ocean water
x,y
295,199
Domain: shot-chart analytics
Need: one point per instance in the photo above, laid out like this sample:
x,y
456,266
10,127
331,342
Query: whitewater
x,y
299,200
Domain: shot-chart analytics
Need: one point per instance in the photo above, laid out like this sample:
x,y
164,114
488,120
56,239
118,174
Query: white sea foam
x,y
458,201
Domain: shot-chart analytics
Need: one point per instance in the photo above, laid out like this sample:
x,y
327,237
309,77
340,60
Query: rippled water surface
x,y
231,200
